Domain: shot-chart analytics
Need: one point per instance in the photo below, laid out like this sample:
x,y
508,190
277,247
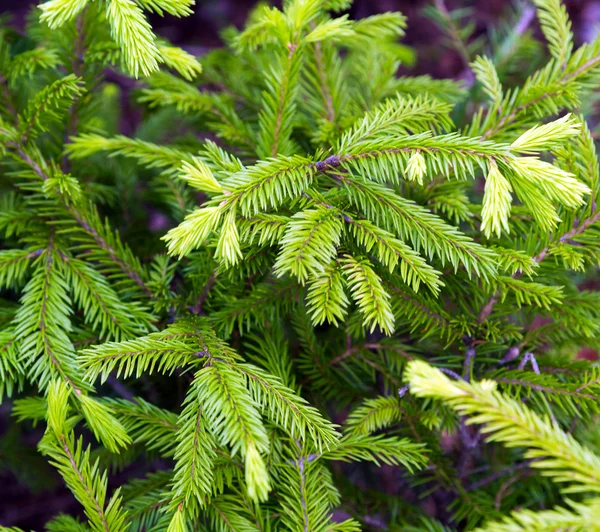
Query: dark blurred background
x,y
30,491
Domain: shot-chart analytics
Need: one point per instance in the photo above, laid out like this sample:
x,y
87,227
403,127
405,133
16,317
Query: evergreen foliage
x,y
300,269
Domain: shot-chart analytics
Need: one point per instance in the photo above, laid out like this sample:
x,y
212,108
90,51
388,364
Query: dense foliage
x,y
303,274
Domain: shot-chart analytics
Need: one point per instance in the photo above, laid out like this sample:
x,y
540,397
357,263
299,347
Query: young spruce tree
x,y
336,293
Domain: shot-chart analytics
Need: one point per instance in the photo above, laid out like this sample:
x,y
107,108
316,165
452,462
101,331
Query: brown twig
x,y
495,476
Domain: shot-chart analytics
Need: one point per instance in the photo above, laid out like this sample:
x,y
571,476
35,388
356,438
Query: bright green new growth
x,y
140,52
252,289
553,451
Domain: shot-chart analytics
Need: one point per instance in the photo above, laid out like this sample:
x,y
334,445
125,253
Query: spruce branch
x,y
507,421
487,310
74,463
89,221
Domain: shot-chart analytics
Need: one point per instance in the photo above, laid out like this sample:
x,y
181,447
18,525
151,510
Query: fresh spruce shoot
x,y
306,293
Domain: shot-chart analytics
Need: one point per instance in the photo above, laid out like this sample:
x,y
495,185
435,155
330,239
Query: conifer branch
x,y
507,421
323,77
487,310
94,231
